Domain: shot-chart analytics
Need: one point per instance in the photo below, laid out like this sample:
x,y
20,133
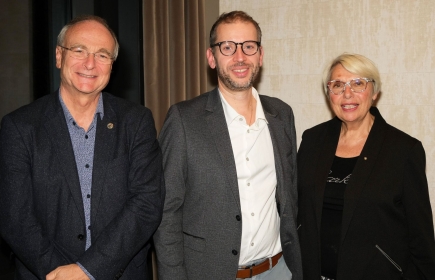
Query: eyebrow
x,y
338,80
103,50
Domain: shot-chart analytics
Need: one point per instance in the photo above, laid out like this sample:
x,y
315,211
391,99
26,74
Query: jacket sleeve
x,y
169,236
19,225
419,216
141,214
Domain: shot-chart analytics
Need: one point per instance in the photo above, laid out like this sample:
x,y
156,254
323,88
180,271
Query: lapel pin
x,y
110,125
365,158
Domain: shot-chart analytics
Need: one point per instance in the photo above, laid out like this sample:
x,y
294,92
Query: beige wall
x,y
301,36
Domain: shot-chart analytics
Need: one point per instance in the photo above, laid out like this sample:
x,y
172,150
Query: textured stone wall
x,y
301,36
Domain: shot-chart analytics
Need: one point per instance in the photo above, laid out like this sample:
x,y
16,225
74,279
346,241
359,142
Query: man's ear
x,y
261,50
211,59
58,57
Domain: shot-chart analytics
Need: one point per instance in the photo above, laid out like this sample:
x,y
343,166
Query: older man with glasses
x,y
81,178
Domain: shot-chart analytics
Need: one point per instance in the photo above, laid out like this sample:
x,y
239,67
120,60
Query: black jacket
x,y
41,209
386,205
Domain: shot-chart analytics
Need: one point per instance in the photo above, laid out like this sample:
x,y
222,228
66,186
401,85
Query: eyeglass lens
x,y
80,53
357,85
229,48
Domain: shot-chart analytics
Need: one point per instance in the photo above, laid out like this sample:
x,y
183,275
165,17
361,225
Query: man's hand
x,y
67,272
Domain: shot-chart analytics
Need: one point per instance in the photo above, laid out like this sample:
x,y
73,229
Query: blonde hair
x,y
356,64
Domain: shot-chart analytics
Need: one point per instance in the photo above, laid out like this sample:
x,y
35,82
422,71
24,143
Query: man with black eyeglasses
x,y
229,160
81,179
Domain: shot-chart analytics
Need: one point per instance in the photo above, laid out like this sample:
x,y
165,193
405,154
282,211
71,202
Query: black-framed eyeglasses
x,y
81,53
357,85
228,48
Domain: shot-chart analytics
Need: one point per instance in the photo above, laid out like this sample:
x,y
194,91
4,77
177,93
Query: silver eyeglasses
x,y
228,48
81,53
356,85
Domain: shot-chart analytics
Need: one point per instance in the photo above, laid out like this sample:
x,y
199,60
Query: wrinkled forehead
x,y
90,34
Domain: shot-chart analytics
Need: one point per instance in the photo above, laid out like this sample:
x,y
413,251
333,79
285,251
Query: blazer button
x,y
238,218
80,237
234,252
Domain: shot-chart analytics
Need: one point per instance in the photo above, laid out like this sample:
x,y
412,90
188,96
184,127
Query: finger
x,y
51,275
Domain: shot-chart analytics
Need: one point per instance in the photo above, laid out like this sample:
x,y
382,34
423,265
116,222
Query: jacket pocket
x,y
119,161
397,266
193,242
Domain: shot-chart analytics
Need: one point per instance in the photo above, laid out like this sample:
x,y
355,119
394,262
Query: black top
x,y
333,201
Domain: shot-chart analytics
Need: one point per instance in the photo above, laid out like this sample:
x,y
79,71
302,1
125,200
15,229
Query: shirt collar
x,y
69,117
231,114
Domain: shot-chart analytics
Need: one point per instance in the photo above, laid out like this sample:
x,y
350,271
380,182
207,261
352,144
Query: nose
x,y
89,62
347,91
239,55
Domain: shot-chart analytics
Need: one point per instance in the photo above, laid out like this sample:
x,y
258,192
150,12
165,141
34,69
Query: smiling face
x,y
351,107
236,72
85,76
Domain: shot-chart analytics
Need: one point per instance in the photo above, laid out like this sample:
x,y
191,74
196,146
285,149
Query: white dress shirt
x,y
255,164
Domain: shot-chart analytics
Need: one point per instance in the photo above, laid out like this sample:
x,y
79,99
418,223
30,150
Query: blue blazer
x,y
386,205
41,208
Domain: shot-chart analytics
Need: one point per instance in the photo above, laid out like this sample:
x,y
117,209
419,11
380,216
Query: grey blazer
x,y
200,234
41,208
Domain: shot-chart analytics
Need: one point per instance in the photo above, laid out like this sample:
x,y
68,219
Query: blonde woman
x,y
364,210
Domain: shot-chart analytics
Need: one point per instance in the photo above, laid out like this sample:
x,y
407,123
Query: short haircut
x,y
356,64
82,18
232,17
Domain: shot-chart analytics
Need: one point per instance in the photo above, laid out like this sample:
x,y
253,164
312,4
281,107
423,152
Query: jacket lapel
x,y
218,129
363,169
57,129
103,152
326,157
275,125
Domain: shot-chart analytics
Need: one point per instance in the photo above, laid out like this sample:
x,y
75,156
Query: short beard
x,y
233,85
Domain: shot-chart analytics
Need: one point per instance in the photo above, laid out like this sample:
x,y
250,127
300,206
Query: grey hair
x,y
74,21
